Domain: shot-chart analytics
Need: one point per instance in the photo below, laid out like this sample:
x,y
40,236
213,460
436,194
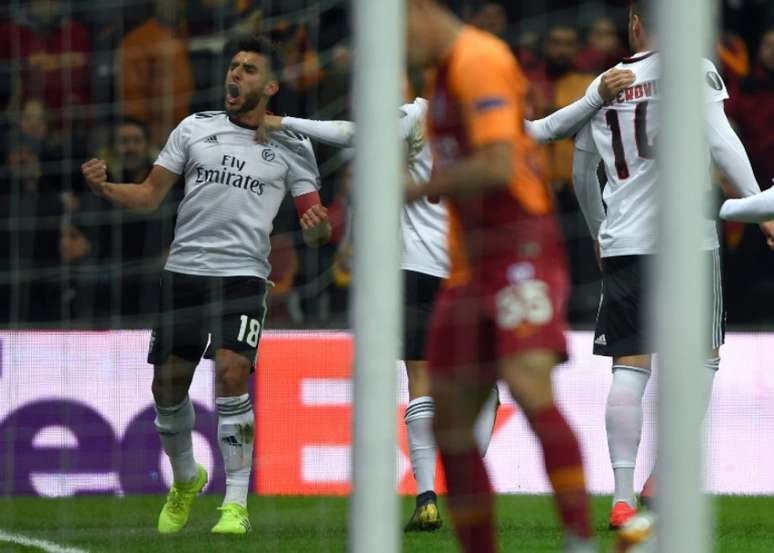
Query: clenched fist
x,y
613,82
315,225
95,173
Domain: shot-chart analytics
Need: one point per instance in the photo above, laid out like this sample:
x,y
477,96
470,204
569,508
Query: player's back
x,y
625,132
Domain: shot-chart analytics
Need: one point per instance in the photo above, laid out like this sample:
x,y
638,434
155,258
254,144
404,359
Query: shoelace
x,y
174,501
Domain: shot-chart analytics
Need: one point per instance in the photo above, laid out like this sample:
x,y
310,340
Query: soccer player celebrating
x,y
214,282
502,312
622,135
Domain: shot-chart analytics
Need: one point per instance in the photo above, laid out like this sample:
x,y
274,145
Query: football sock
x,y
236,433
623,420
421,441
708,379
174,425
485,423
564,467
469,500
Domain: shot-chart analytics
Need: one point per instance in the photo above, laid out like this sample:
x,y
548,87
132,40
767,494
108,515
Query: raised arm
x,y
728,152
341,133
567,121
145,196
333,133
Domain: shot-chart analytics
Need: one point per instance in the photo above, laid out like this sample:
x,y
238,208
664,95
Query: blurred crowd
x,y
112,80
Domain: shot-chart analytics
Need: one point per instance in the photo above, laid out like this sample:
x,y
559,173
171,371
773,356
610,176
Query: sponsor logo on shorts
x,y
601,340
519,272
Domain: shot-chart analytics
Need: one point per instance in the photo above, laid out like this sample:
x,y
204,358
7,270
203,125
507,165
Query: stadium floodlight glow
x,y
682,276
378,178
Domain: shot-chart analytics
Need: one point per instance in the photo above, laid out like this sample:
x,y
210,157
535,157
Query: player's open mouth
x,y
232,93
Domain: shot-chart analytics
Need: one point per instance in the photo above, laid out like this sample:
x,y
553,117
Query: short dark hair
x,y
134,121
258,44
641,8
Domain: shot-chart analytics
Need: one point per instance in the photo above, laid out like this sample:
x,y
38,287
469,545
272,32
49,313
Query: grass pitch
x,y
319,524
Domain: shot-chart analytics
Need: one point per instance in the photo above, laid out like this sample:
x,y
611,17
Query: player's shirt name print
x,y
649,89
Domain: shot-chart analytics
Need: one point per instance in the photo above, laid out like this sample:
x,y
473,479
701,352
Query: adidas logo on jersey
x,y
601,340
212,139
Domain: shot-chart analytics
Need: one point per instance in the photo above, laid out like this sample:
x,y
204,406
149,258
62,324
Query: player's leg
x,y
462,374
620,334
236,436
176,346
469,494
239,312
717,332
485,422
623,422
175,416
420,291
421,444
528,375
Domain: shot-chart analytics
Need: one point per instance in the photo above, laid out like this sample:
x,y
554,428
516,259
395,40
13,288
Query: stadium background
x,y
111,79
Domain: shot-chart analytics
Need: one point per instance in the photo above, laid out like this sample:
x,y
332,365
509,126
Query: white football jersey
x,y
233,191
424,223
624,132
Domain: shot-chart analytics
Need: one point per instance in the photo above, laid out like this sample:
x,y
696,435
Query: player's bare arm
x,y
489,167
147,195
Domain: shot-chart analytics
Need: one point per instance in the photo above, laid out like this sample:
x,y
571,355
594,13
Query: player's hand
x,y
272,123
95,173
768,231
613,82
315,225
413,191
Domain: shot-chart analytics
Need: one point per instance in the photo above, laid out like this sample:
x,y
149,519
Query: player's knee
x,y
531,391
168,391
175,418
232,371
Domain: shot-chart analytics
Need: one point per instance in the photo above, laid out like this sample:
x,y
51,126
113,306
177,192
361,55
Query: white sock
x,y
236,434
708,379
623,420
421,442
485,423
174,425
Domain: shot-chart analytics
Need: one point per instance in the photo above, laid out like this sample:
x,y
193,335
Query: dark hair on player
x,y
142,125
641,8
258,44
